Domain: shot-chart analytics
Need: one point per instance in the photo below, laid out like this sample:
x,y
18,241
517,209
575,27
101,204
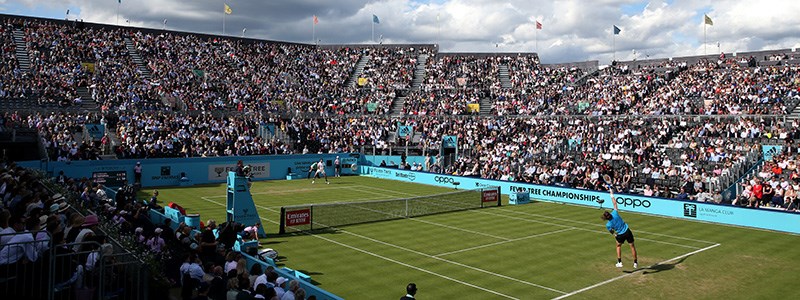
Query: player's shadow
x,y
663,267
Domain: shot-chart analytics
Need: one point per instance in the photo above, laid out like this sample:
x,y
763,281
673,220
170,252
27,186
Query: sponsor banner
x,y
96,131
474,107
405,130
724,214
298,217
449,141
362,81
220,172
489,196
768,151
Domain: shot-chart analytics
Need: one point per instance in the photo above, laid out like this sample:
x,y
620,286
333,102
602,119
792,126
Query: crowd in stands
x,y
173,135
12,83
290,86
39,229
58,132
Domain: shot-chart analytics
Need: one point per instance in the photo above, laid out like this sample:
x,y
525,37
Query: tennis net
x,y
327,215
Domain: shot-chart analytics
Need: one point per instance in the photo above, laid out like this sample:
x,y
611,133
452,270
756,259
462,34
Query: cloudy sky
x,y
573,30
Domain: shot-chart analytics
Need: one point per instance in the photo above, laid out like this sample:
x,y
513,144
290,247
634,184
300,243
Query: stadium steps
x,y
419,72
794,115
505,80
397,106
21,51
87,102
362,62
486,106
583,79
137,59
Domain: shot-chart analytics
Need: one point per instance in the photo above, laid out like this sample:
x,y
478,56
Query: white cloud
x,y
574,30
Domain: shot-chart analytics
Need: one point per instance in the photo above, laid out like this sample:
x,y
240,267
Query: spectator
x,y
411,292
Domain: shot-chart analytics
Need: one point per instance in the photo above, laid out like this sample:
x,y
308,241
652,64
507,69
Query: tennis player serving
x,y
620,230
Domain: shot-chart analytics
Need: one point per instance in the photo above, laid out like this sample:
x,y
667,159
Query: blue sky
x,y
574,30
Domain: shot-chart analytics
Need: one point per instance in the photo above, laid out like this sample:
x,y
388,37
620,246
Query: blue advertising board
x,y
700,211
167,171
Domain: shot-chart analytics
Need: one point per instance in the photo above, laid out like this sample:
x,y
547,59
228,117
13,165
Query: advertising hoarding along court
x,y
699,211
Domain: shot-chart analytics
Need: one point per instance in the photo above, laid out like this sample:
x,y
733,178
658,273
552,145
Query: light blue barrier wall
x,y
724,214
167,171
375,160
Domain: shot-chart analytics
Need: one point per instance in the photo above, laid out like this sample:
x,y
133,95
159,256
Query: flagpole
x,y
313,31
536,35
223,20
373,31
705,46
614,46
118,3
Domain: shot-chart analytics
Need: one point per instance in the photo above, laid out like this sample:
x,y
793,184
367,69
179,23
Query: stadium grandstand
x,y
711,129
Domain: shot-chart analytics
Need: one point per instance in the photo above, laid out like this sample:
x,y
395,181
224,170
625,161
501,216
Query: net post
x,y
499,197
282,221
311,218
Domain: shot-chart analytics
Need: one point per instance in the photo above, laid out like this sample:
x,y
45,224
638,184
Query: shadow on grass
x,y
660,267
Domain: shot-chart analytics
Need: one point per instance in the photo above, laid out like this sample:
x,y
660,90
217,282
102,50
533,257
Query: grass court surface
x,y
531,251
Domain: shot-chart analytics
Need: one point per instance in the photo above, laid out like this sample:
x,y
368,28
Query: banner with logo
x,y
372,106
298,217
690,210
404,131
473,107
449,141
362,81
768,151
220,172
96,131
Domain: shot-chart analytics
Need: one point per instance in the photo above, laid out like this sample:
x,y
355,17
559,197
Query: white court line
x,y
562,225
290,191
634,272
503,242
389,259
451,262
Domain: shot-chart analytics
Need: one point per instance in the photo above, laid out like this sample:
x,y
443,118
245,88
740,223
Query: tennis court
x,y
531,251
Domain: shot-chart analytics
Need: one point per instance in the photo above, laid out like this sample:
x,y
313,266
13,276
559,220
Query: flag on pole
x,y
375,19
316,21
538,25
617,30
228,9
119,1
165,21
708,20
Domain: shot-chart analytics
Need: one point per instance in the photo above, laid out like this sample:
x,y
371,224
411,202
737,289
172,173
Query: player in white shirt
x,y
320,170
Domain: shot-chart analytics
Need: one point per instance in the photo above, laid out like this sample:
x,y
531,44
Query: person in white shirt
x,y
21,246
7,229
